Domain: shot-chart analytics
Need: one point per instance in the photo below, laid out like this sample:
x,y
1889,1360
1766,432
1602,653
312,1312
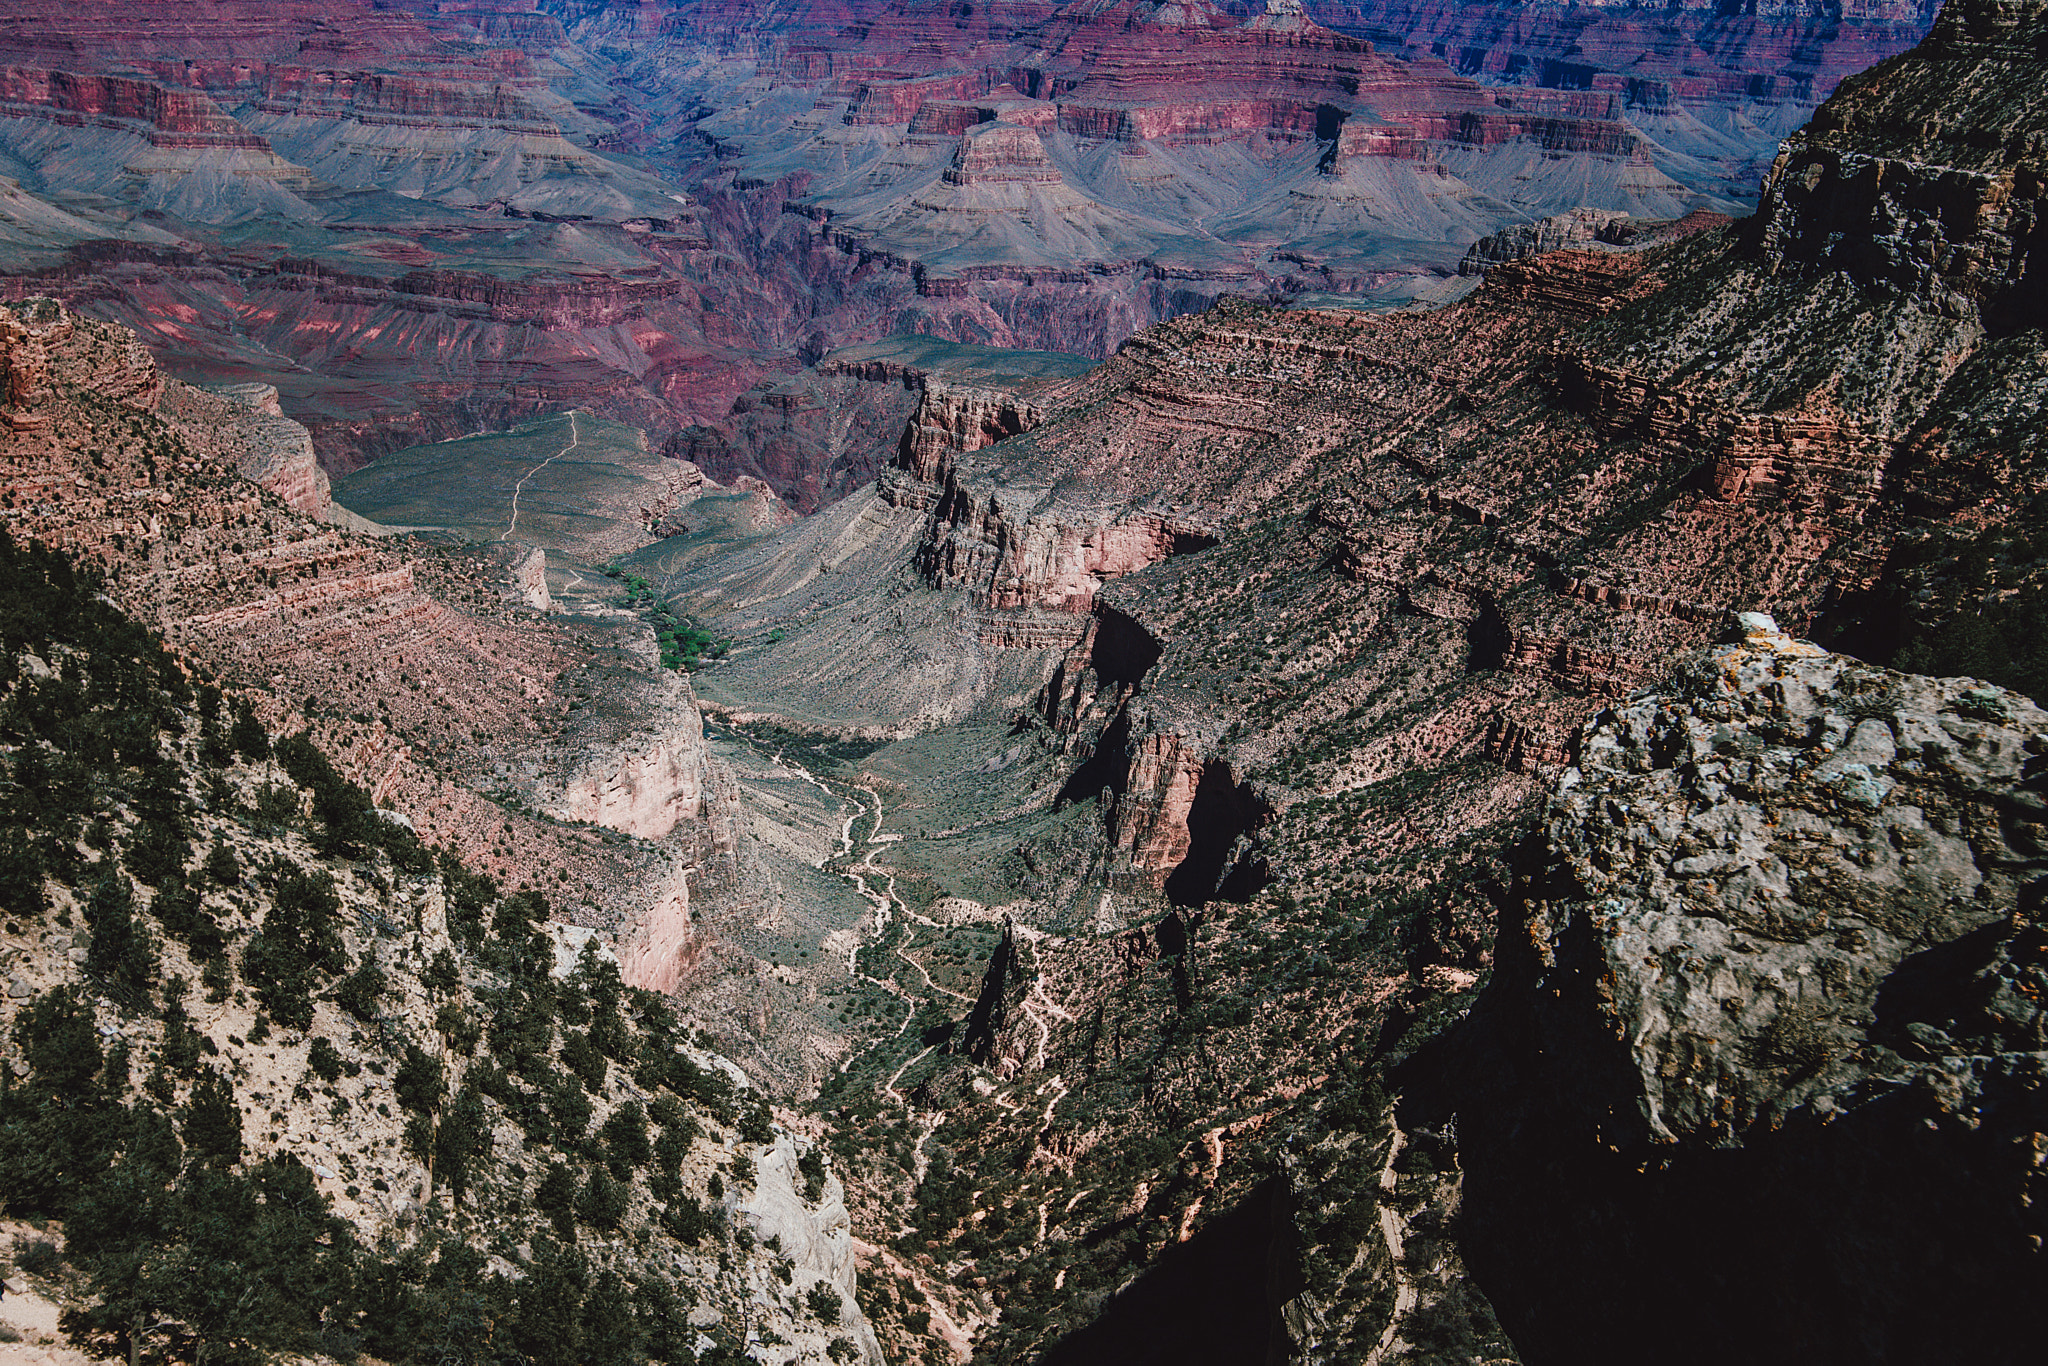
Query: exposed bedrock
x,y
1099,674
645,783
816,1236
273,450
1178,820
1045,550
1929,174
1692,54
166,117
1175,818
110,460
1519,241
953,418
1021,547
1765,1047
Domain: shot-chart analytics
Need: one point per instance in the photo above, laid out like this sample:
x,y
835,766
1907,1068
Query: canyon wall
x,y
646,211
428,675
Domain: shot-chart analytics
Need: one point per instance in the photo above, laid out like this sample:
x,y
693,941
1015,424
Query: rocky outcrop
x,y
1043,550
953,418
1776,963
162,117
526,574
1928,174
416,675
644,782
1689,57
1807,824
815,1234
657,952
1580,227
268,448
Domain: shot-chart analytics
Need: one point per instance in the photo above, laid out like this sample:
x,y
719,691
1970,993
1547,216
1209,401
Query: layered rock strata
x,y
408,665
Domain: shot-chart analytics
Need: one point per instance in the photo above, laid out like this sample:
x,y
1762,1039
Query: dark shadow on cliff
x,y
1107,769
1213,1299
1893,1231
1223,861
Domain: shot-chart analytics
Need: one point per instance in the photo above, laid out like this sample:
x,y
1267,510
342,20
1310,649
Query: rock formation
x,y
1255,825
250,927
420,221
428,675
1775,964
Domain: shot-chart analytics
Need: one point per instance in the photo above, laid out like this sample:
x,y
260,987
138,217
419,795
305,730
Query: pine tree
x,y
555,1197
120,953
463,1139
603,1201
610,1335
549,1327
248,736
213,1122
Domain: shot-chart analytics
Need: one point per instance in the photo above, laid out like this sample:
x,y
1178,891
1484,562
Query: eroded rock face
x,y
952,418
1929,175
646,782
136,474
1519,241
1757,858
1773,1018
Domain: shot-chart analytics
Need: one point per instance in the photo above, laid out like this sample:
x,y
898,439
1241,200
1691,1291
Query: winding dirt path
x,y
575,438
889,1086
1390,1229
943,1322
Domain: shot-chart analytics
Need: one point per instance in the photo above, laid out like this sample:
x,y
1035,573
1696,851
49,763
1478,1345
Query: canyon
x,y
1235,677
419,222
1372,823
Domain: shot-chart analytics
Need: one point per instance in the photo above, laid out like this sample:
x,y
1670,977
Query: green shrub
x,y
21,875
248,737
584,1059
811,1166
360,991
120,954
603,1201
420,1083
213,1122
555,1197
624,1134
824,1302
323,1060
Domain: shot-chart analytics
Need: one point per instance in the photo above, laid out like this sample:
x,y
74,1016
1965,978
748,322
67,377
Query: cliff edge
x,y
1766,1045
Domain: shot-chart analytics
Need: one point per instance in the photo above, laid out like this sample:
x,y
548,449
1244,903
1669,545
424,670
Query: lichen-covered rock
x,y
1767,1027
1751,869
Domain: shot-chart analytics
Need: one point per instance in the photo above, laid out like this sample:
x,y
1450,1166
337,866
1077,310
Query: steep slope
x,y
1709,90
1774,963
1318,602
292,1083
1140,141
553,748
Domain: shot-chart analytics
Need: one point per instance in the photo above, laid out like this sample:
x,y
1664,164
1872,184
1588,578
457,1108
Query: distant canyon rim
x,y
1311,684
423,220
